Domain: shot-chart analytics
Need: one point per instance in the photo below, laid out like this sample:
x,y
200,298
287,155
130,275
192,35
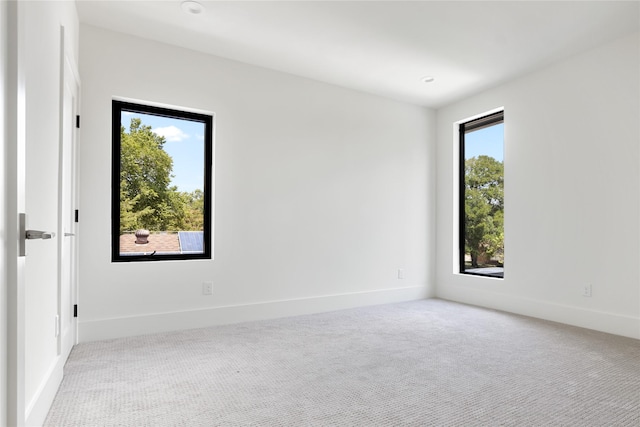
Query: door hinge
x,y
77,122
75,310
76,216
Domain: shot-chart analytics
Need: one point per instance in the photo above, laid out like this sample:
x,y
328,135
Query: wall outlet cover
x,y
207,288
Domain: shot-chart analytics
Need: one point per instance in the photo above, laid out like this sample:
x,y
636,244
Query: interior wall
x,y
321,194
42,60
571,193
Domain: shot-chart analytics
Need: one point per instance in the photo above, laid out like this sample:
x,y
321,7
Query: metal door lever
x,y
36,234
25,235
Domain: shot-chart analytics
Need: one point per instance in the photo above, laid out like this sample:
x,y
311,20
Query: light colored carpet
x,y
421,363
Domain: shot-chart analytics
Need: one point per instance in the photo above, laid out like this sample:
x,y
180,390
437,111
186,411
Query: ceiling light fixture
x,y
192,7
427,79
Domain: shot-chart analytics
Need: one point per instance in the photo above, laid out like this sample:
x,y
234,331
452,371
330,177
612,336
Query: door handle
x,y
69,234
25,235
36,234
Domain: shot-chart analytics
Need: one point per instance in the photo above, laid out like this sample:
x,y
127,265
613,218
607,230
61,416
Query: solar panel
x,y
191,241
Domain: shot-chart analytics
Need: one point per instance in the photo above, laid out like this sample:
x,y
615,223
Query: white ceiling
x,y
381,47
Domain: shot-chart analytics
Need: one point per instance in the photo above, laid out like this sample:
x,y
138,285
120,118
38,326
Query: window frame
x,y
118,107
484,121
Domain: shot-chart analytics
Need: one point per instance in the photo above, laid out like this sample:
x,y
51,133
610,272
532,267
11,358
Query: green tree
x,y
194,211
484,208
146,198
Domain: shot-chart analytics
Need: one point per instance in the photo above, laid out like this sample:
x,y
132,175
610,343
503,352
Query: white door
x,y
67,290
40,285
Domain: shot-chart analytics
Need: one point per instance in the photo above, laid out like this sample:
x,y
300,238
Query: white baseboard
x,y
38,408
611,323
94,330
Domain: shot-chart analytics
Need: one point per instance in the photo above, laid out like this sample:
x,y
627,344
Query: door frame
x,y
15,165
68,69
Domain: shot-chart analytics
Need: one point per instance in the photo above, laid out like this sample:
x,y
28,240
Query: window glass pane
x,y
483,200
162,175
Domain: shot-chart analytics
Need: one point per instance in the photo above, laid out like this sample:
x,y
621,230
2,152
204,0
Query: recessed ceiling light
x,y
427,79
192,7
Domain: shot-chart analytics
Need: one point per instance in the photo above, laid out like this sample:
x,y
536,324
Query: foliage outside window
x,y
482,196
161,179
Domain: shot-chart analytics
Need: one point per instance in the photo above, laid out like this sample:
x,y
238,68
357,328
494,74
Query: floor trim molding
x,y
612,323
102,329
38,408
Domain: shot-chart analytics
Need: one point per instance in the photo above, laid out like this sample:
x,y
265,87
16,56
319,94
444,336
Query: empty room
x,y
320,213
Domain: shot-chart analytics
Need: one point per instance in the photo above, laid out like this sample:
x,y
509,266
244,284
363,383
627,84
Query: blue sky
x,y
185,144
488,141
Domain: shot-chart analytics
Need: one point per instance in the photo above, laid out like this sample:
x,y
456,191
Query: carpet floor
x,y
419,363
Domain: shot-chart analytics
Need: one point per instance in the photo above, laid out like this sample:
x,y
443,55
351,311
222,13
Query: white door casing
x,y
67,187
15,116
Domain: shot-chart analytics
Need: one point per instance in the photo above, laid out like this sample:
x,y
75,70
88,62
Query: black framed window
x,y
482,196
161,183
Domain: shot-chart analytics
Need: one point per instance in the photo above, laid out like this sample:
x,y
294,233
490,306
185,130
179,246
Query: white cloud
x,y
171,133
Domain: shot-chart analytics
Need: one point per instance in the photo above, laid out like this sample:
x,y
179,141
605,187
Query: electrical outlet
x,y
586,290
207,288
400,273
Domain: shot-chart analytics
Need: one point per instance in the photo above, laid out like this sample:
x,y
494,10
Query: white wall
x,y
321,194
571,193
42,58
